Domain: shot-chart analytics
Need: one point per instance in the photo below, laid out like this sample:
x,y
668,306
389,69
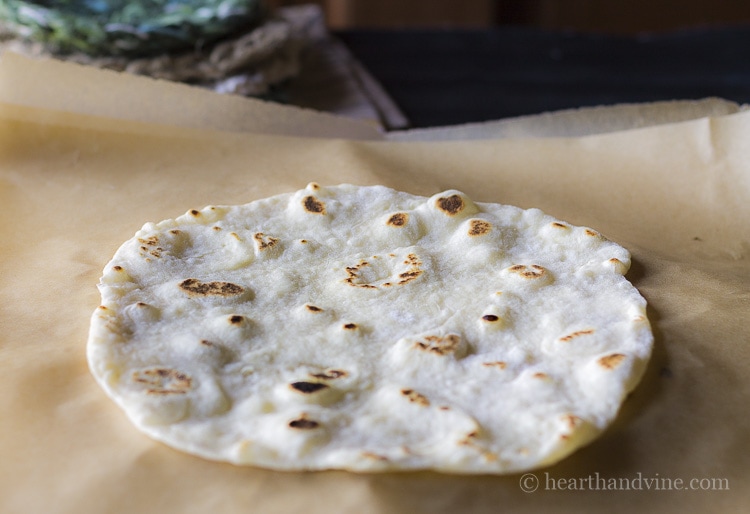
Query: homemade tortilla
x,y
368,329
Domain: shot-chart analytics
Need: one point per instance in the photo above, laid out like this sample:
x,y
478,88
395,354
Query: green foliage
x,y
127,27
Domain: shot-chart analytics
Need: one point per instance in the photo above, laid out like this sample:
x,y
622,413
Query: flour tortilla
x,y
368,329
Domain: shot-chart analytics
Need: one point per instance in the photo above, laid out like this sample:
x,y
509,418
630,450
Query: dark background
x,y
445,77
454,61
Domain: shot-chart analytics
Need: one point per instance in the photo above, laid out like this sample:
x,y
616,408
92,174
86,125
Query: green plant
x,y
127,27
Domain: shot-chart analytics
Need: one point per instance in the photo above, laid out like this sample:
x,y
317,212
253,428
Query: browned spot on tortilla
x,y
303,241
264,242
175,231
572,421
451,205
151,241
479,227
413,271
117,268
236,236
491,318
163,380
575,334
314,186
440,345
350,326
304,424
216,227
495,364
532,272
611,361
398,220
195,287
489,456
307,387
313,308
102,307
591,233
541,375
207,343
559,225
236,319
314,205
330,374
147,246
415,397
468,440
363,286
444,407
195,212
373,456
141,304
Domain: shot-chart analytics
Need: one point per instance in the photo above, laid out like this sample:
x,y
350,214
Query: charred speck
x,y
304,424
307,387
479,227
194,286
451,205
398,220
314,205
330,374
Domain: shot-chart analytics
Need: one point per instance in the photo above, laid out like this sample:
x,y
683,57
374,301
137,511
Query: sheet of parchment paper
x,y
63,86
69,87
73,189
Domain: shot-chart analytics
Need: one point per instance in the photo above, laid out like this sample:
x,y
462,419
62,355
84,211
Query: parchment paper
x,y
68,87
73,188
